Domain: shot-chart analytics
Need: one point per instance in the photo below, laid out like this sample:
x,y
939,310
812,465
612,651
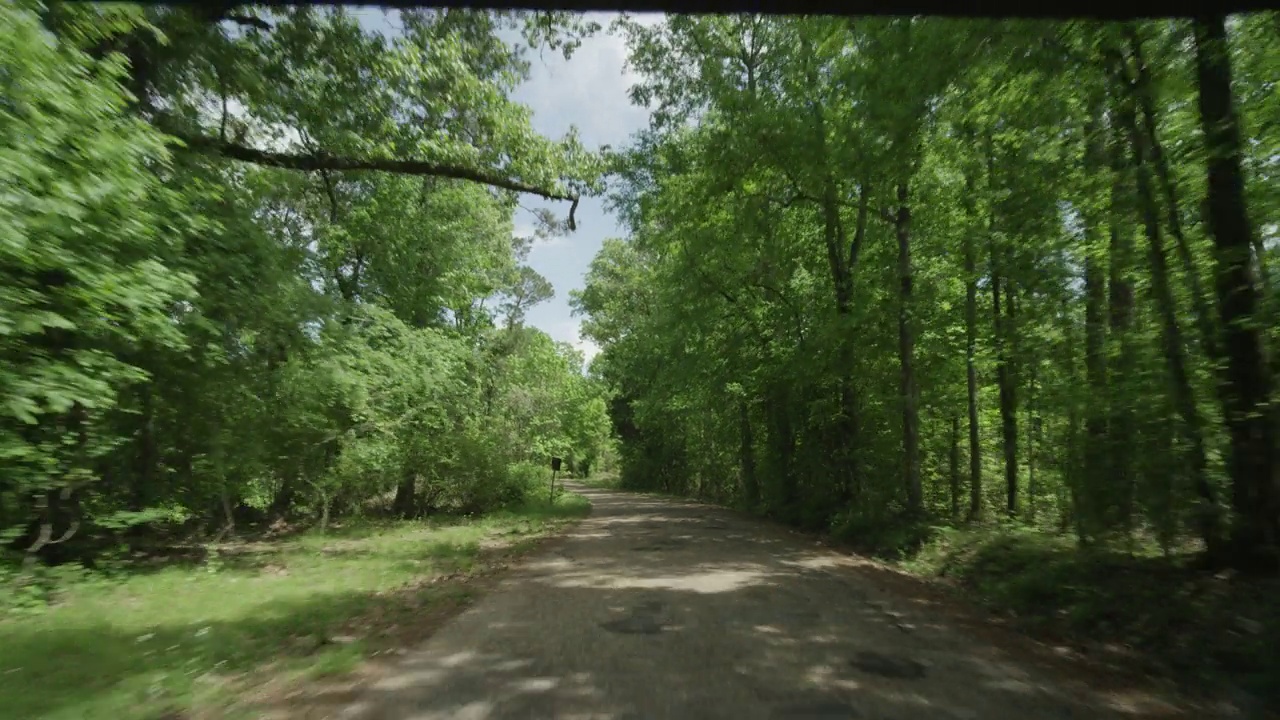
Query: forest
x,y
887,271
994,299
227,298
1003,290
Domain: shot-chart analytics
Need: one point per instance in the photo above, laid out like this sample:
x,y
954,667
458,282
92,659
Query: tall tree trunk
x,y
1004,375
1095,291
1249,422
1070,490
971,370
841,267
1200,304
906,358
1117,486
1184,399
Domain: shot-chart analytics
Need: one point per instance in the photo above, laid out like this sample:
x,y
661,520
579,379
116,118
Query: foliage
x,y
908,280
1159,610
889,274
253,265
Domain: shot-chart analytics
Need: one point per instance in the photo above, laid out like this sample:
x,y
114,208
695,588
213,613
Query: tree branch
x,y
319,161
250,21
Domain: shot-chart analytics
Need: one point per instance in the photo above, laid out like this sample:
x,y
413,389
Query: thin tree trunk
x,y
1004,374
147,458
1095,284
1033,426
971,371
1249,422
1009,409
1116,487
782,441
906,359
954,467
1069,510
746,456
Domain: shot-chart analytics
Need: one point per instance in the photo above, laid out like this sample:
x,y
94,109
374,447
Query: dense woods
x,y
933,287
890,273
261,265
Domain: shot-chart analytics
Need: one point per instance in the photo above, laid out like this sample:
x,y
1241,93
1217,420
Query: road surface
x,y
655,608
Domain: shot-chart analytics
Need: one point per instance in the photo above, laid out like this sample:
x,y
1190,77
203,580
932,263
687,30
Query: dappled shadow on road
x,y
654,608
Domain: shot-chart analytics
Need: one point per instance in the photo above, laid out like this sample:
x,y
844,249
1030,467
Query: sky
x,y
588,91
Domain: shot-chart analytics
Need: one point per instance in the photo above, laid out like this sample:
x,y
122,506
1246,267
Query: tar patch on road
x,y
663,544
889,666
641,620
821,710
633,625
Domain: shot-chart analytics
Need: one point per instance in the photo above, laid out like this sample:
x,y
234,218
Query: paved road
x,y
654,608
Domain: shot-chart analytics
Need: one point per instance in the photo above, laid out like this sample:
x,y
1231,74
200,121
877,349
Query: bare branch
x,y
250,21
321,162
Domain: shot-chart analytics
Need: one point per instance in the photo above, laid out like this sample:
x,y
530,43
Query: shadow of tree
x,y
659,609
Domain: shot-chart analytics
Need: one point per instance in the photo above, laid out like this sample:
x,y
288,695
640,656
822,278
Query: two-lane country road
x,y
654,608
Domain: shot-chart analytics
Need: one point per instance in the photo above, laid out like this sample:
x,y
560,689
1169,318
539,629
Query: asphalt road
x,y
654,608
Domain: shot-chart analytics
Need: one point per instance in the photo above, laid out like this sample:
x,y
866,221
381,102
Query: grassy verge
x,y
195,640
601,480
1140,609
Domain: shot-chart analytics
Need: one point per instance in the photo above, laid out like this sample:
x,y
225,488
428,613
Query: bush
x,y
531,478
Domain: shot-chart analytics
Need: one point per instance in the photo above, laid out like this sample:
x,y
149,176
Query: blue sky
x,y
589,92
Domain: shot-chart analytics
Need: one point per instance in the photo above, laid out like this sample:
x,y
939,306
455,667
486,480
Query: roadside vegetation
x,y
268,399
218,629
995,299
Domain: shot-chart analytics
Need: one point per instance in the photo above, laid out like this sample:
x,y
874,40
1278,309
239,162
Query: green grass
x,y
188,639
602,480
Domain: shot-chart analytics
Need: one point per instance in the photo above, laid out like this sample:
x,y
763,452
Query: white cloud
x,y
570,331
589,91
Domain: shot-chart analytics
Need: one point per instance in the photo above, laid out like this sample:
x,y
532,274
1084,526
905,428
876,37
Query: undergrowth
x,y
1163,612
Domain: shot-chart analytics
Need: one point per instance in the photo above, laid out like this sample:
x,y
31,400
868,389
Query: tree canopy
x,y
253,264
882,272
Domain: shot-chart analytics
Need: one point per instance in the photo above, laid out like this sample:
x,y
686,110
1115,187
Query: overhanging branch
x,y
249,21
319,162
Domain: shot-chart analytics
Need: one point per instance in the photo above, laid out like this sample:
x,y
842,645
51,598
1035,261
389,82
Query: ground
x,y
649,608
661,608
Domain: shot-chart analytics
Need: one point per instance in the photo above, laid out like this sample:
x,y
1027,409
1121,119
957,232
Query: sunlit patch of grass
x,y
602,480
171,639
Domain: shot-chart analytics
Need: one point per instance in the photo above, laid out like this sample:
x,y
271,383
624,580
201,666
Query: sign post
x,y
555,470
